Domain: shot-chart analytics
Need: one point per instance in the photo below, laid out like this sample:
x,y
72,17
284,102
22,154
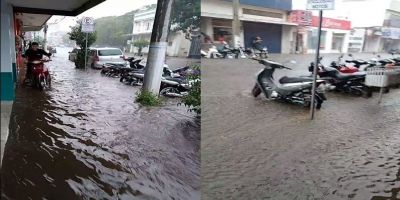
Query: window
x,y
110,52
312,39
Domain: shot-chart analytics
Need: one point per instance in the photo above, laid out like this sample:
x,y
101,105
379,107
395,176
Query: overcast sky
x,y
107,8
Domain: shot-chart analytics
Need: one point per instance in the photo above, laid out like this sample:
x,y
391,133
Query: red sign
x,y
331,23
301,17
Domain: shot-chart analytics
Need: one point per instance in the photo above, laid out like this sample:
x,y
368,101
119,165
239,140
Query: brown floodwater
x,y
85,138
258,149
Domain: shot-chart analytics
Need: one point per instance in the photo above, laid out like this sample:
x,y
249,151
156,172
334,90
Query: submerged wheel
x,y
41,83
256,90
169,90
367,92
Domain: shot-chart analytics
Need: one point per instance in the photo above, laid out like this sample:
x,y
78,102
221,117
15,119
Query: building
x,y
356,40
335,33
267,19
379,19
143,21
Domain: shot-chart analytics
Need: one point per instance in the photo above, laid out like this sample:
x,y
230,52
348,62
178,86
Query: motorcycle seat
x,y
342,76
286,79
357,62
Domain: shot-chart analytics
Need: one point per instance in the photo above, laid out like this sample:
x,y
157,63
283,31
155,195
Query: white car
x,y
98,57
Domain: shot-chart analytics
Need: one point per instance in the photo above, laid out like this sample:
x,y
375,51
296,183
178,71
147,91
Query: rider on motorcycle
x,y
32,54
256,44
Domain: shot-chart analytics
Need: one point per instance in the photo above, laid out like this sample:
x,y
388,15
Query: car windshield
x,y
110,52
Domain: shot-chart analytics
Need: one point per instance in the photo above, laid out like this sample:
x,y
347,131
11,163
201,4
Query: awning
x,y
268,21
32,22
243,18
35,13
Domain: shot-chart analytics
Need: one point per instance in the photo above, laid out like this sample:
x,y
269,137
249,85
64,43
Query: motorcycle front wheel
x,y
170,92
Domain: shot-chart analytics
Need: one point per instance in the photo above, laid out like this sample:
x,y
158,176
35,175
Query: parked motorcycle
x,y
346,82
343,67
295,90
174,87
40,74
263,53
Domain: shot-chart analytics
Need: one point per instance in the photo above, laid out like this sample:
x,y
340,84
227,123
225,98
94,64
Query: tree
x,y
186,18
80,39
140,44
186,15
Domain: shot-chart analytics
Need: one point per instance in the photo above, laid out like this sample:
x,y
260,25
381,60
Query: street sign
x,y
320,4
87,25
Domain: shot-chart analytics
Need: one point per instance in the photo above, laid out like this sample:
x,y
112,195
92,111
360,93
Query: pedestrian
x,y
256,44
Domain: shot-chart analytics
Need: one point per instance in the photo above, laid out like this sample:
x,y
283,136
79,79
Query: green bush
x,y
193,99
147,98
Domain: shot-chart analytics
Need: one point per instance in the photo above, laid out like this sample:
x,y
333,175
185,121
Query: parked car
x,y
72,54
100,56
394,51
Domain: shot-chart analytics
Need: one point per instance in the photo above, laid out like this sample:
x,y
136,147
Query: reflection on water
x,y
87,139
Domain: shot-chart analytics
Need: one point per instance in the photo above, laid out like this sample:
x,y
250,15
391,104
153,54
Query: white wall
x,y
7,47
329,40
288,42
372,44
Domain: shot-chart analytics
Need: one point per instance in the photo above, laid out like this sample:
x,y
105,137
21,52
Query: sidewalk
x,y
6,108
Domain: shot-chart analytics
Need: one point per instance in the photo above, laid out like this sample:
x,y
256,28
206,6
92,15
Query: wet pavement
x,y
87,139
258,149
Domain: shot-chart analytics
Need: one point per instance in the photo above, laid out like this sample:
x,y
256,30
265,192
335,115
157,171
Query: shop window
x,y
312,39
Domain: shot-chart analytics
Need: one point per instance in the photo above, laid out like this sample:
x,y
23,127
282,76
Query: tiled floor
x,y
6,107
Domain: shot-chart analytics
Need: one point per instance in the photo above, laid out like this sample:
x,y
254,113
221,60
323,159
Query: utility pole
x,y
236,24
158,47
45,37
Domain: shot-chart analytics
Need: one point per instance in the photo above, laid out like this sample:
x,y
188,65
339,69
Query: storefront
x,y
264,19
334,34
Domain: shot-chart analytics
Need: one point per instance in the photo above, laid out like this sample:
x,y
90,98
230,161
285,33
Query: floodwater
x,y
258,149
87,139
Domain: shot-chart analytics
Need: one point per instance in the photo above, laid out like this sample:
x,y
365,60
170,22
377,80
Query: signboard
x,y
301,17
392,33
87,25
332,23
320,4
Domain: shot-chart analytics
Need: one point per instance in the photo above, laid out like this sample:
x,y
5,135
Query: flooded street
x,y
86,138
258,149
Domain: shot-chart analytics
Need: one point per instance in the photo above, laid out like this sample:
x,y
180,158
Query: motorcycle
x,y
175,87
295,90
40,74
360,63
346,82
343,67
263,53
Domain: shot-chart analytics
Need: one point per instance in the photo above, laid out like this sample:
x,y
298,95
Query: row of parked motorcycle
x,y
225,51
174,83
348,77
